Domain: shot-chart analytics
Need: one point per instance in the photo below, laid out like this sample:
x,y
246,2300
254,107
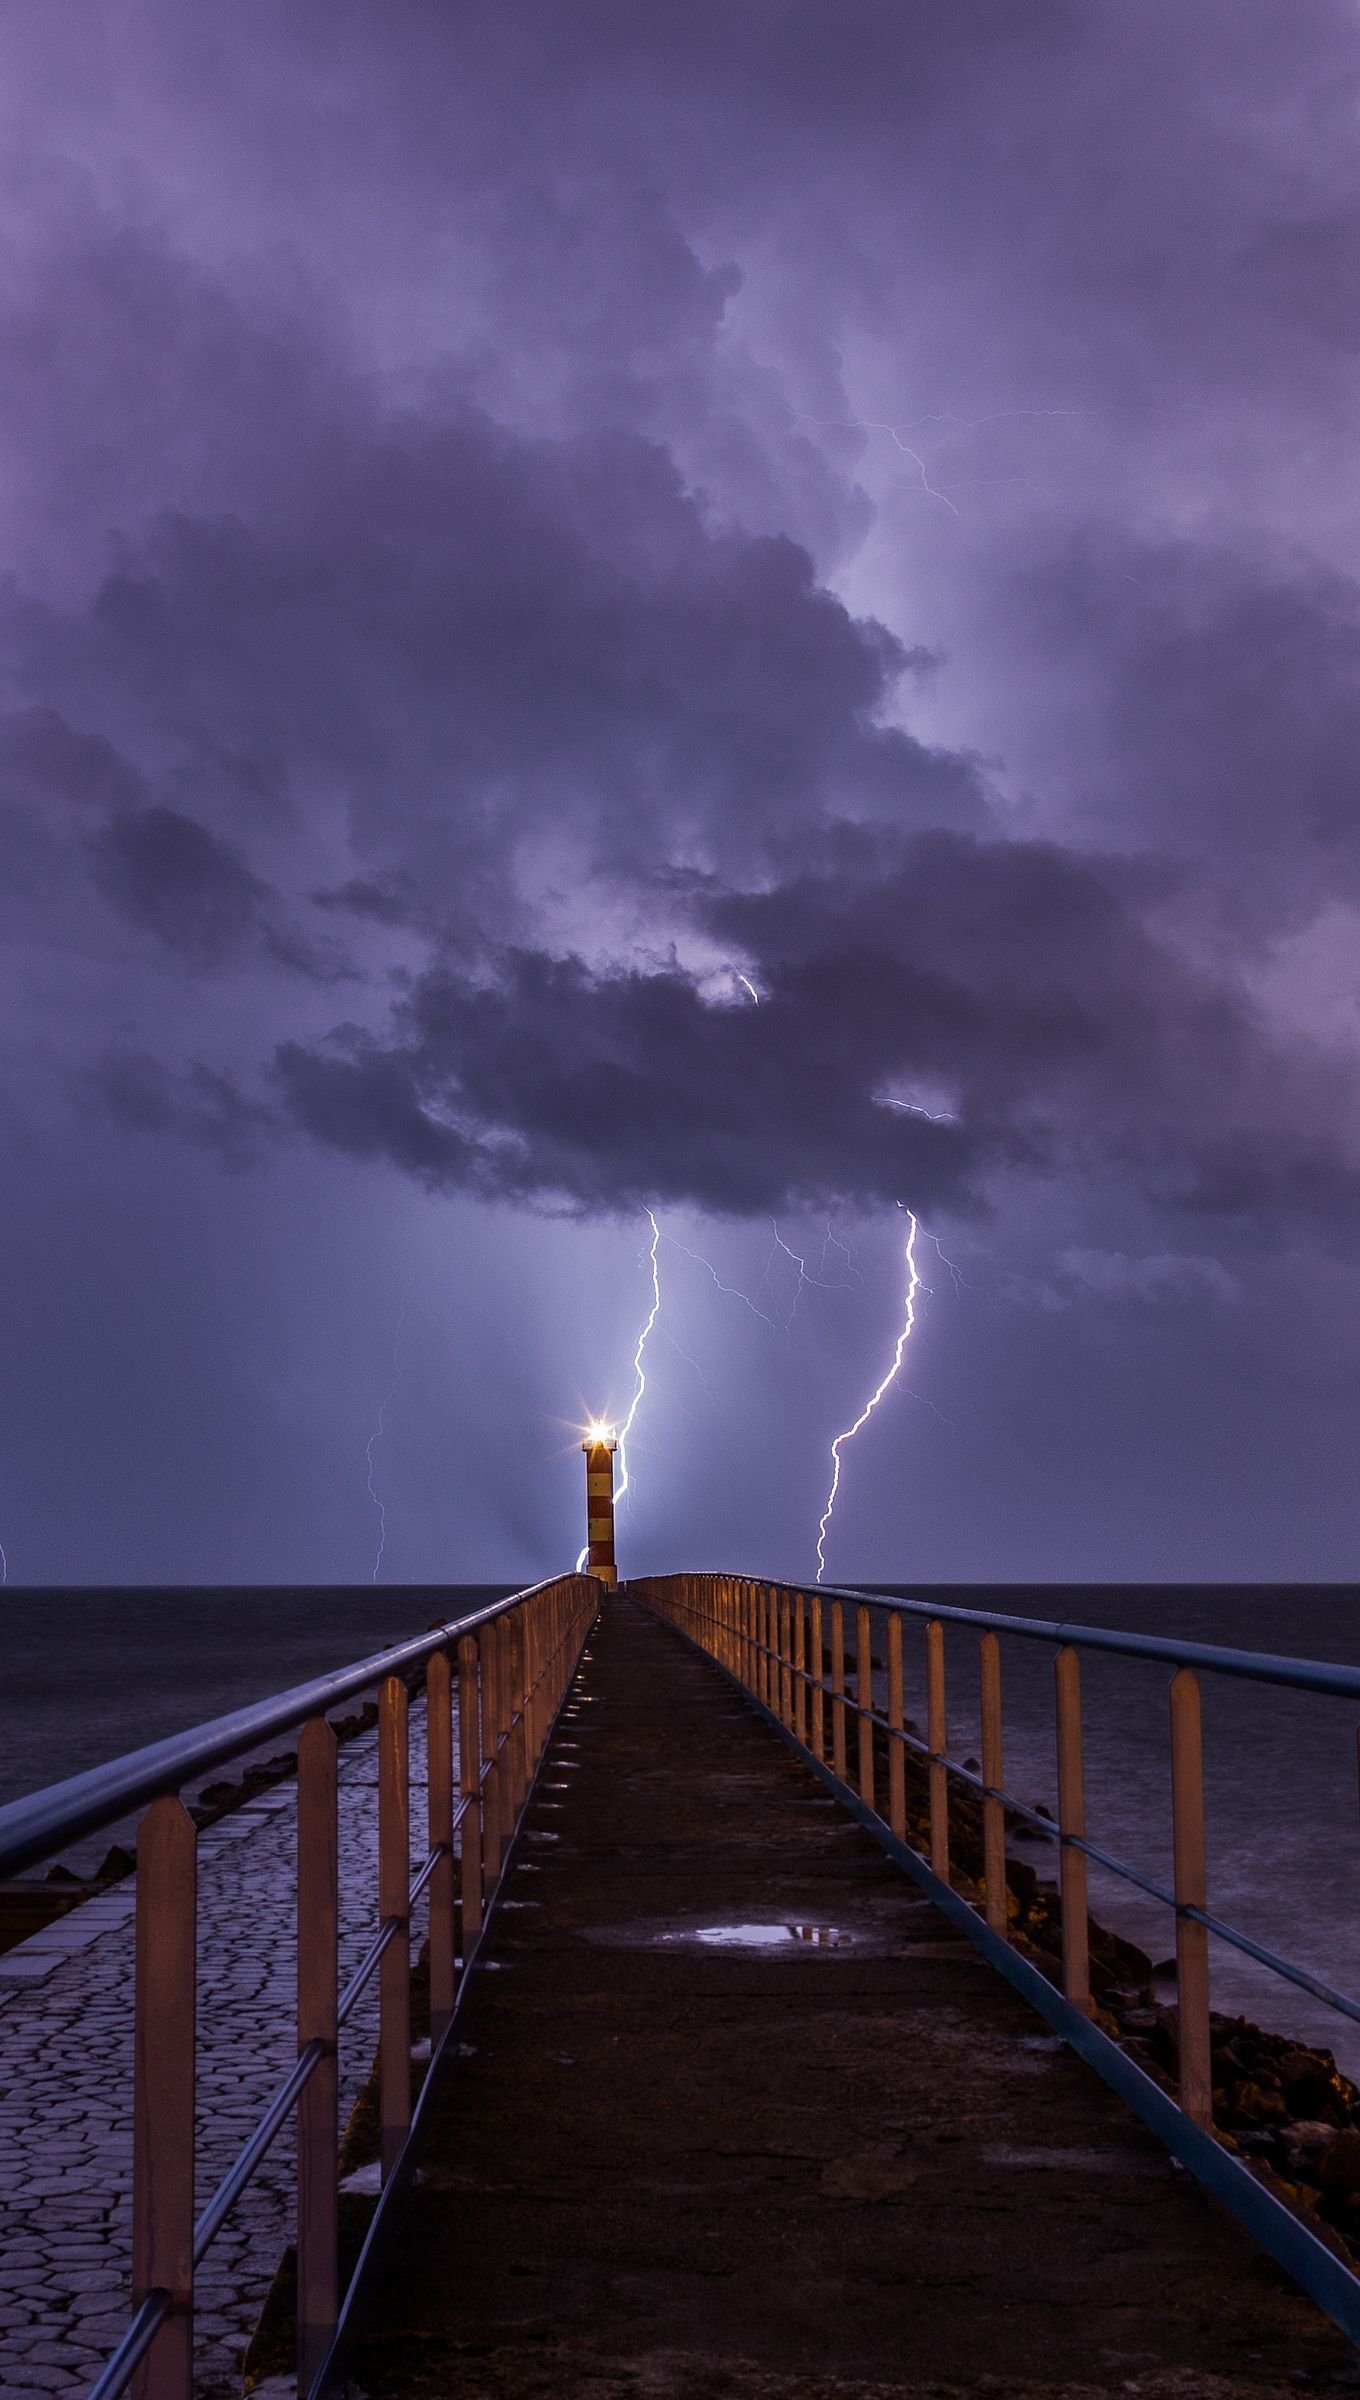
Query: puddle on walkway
x,y
790,1935
768,1937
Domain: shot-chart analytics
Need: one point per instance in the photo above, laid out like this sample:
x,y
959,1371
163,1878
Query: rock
x,y
1338,2167
1260,2145
877,2174
1256,2104
1305,2142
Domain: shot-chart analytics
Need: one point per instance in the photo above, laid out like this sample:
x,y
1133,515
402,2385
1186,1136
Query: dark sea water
x,y
87,1674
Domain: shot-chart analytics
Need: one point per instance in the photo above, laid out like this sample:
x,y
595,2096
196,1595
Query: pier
x,y
647,1999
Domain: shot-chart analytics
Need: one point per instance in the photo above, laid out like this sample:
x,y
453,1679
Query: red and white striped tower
x,y
599,1447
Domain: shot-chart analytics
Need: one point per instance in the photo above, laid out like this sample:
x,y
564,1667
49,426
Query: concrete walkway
x,y
827,2154
66,2089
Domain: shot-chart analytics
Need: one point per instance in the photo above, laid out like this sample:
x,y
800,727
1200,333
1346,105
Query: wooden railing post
x,y
488,1649
163,2093
816,1692
439,1827
1072,1829
798,1651
864,1701
897,1762
1192,1940
994,1775
519,1781
394,1888
470,1791
838,1690
318,2129
937,1742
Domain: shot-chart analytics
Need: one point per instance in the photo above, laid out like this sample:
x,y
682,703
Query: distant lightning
x,y
730,1288
816,1282
995,416
913,1108
833,1241
908,1327
747,985
961,1283
378,1431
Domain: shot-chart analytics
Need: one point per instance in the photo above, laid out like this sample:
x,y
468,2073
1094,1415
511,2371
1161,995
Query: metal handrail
x,y
238,2175
1254,1666
118,2371
33,1827
1257,1666
492,1785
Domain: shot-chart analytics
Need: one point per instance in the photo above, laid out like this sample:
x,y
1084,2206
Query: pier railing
x,y
511,1664
806,1658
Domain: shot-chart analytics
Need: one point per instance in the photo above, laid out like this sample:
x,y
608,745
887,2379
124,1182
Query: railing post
x,y
488,1650
1192,1940
799,1648
747,1635
937,1742
318,2131
864,1701
781,1618
519,1781
439,1827
394,1900
163,2093
1072,1829
470,1791
817,1726
897,1763
994,1775
838,1690
767,1670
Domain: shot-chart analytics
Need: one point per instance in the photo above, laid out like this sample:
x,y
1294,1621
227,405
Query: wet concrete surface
x,y
671,2163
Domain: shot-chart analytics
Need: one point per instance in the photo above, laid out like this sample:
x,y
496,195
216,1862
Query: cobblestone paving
x,y
66,2088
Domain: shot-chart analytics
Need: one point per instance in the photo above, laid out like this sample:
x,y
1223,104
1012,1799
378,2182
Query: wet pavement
x,y
741,2115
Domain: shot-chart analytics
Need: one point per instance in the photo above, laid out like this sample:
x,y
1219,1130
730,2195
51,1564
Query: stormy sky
x,y
741,612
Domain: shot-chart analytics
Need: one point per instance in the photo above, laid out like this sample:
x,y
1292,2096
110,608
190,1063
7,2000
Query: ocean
x,y
88,1674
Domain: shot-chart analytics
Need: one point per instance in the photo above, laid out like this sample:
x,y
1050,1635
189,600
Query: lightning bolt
x,y
377,1434
908,1327
639,1371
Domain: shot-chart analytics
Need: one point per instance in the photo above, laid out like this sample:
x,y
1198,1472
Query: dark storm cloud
x,y
191,890
462,639
1014,978
1220,694
198,1103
